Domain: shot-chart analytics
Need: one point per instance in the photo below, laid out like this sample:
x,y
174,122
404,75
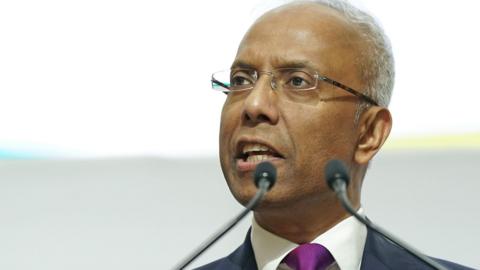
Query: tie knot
x,y
309,257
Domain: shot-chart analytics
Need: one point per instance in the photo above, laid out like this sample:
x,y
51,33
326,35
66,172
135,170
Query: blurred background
x,y
109,130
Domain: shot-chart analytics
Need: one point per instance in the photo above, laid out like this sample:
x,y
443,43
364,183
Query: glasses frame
x,y
272,84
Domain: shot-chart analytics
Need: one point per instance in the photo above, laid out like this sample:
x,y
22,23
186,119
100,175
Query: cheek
x,y
323,134
228,122
333,137
241,187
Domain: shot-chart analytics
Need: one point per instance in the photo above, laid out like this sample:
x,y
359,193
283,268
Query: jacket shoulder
x,y
380,253
242,258
219,264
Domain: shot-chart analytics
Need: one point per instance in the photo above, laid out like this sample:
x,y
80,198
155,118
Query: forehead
x,y
308,33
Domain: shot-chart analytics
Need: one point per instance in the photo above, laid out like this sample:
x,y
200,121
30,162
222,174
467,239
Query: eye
x,y
298,80
239,80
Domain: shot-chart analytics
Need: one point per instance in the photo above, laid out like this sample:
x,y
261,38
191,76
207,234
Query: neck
x,y
302,222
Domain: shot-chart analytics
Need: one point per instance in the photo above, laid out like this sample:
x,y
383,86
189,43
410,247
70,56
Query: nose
x,y
260,106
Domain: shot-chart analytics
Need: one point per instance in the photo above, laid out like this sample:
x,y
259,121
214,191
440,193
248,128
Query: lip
x,y
245,166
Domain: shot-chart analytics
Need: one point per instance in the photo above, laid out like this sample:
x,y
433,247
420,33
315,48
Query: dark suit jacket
x,y
379,253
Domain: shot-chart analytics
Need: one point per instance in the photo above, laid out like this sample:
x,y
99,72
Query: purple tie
x,y
309,257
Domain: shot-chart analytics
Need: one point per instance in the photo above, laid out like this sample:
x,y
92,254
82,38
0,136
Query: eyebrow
x,y
279,62
242,64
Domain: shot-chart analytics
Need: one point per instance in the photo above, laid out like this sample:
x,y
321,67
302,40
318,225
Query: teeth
x,y
254,147
257,158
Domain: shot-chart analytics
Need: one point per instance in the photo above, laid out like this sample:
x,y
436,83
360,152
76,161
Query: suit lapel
x,y
380,253
243,257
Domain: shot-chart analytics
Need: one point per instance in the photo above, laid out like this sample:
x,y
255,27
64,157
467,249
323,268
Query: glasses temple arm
x,y
350,90
220,83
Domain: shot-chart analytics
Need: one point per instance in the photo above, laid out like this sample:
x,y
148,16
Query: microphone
x,y
265,173
264,177
338,179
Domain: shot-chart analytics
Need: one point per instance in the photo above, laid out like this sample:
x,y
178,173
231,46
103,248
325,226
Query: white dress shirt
x,y
345,241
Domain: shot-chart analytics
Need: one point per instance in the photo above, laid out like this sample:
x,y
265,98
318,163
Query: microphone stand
x,y
340,188
263,186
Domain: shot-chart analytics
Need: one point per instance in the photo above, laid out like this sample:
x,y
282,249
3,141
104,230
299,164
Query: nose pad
x,y
273,83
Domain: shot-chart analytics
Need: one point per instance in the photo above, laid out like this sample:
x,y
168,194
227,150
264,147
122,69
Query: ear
x,y
373,129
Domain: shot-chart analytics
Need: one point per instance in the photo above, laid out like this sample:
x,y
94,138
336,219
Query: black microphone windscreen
x,y
267,171
335,169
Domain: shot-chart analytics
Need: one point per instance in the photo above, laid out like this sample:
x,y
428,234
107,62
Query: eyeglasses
x,y
290,79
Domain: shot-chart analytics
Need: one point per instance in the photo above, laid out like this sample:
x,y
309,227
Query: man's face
x,y
298,132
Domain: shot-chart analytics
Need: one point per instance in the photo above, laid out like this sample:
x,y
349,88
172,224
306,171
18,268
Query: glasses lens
x,y
221,81
242,79
234,80
296,79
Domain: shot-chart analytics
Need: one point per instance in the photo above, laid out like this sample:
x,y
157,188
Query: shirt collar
x,y
345,241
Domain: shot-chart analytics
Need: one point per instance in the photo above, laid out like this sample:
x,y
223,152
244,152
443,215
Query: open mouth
x,y
256,153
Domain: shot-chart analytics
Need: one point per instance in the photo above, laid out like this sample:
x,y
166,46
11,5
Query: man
x,y
311,82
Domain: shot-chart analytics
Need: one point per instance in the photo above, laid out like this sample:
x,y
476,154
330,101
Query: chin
x,y
243,194
242,187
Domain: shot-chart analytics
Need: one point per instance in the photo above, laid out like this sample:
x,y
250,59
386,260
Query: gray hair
x,y
376,63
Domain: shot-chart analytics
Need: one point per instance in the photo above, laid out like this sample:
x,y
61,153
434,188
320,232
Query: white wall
x,y
102,78
147,213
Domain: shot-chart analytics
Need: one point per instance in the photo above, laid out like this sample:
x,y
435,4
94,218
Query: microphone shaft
x,y
341,190
264,185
